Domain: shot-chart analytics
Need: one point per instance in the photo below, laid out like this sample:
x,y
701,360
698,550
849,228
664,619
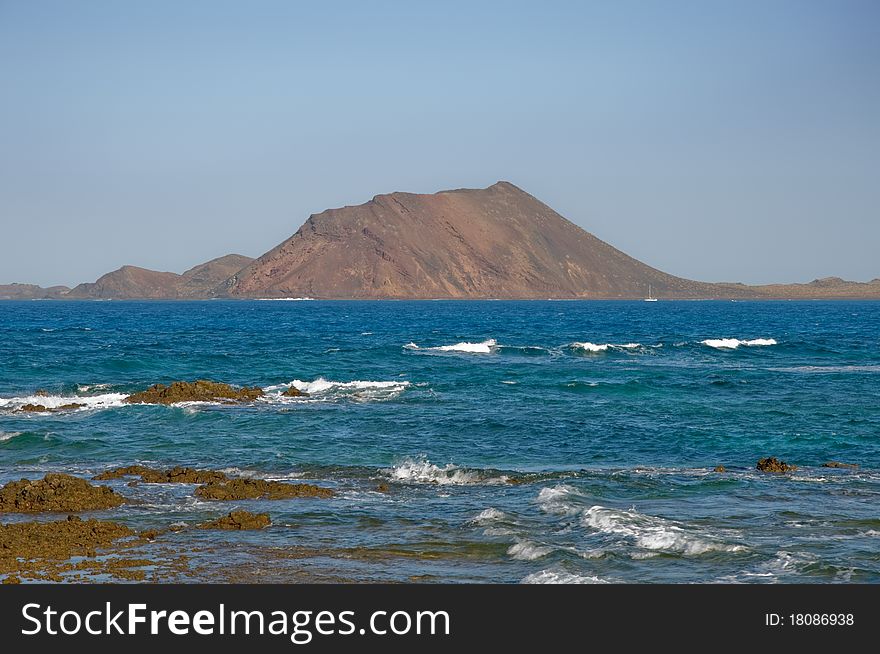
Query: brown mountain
x,y
131,282
498,242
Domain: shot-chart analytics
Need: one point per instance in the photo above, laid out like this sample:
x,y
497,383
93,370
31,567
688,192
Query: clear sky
x,y
735,140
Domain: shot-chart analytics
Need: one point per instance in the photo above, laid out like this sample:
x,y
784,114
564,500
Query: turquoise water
x,y
531,458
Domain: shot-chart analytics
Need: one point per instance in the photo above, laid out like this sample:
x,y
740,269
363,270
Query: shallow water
x,y
520,441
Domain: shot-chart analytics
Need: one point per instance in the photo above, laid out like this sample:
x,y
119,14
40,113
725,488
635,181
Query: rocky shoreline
x,y
47,550
74,548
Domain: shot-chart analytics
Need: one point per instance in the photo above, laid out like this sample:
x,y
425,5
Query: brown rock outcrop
x,y
56,493
201,390
176,475
772,464
253,489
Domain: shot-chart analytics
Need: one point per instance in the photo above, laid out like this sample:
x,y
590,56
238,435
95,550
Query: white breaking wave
x,y
560,577
488,516
526,550
285,299
87,388
105,401
733,343
8,435
558,499
603,347
422,471
324,389
484,347
651,533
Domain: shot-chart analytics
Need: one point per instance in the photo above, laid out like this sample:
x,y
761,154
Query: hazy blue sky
x,y
716,140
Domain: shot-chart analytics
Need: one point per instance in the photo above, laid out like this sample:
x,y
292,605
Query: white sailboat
x,y
650,297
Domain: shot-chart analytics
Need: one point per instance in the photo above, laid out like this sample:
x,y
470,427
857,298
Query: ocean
x,y
473,441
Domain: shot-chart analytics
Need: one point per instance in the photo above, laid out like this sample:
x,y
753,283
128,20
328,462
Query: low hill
x,y
131,282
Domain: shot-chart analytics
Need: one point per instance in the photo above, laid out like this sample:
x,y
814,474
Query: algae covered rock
x,y
772,464
56,492
58,539
176,475
239,520
39,408
197,391
255,489
838,464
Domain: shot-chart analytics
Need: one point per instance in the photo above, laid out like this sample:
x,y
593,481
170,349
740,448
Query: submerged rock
x,y
197,391
254,489
39,408
56,492
772,464
239,520
58,539
176,475
838,464
34,408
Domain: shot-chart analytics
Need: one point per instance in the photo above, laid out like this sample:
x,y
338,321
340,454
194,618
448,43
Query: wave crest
x,y
484,347
586,346
733,343
422,471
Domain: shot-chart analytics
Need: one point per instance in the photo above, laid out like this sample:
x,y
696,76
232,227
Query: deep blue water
x,y
534,459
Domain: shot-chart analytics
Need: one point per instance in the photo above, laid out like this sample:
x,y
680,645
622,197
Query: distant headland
x,y
498,242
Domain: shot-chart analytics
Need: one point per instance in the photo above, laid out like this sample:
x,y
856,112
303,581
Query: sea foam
x,y
652,533
321,389
8,435
422,471
104,401
561,577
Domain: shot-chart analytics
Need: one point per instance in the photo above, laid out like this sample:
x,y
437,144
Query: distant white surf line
x,y
484,347
733,343
603,347
285,299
